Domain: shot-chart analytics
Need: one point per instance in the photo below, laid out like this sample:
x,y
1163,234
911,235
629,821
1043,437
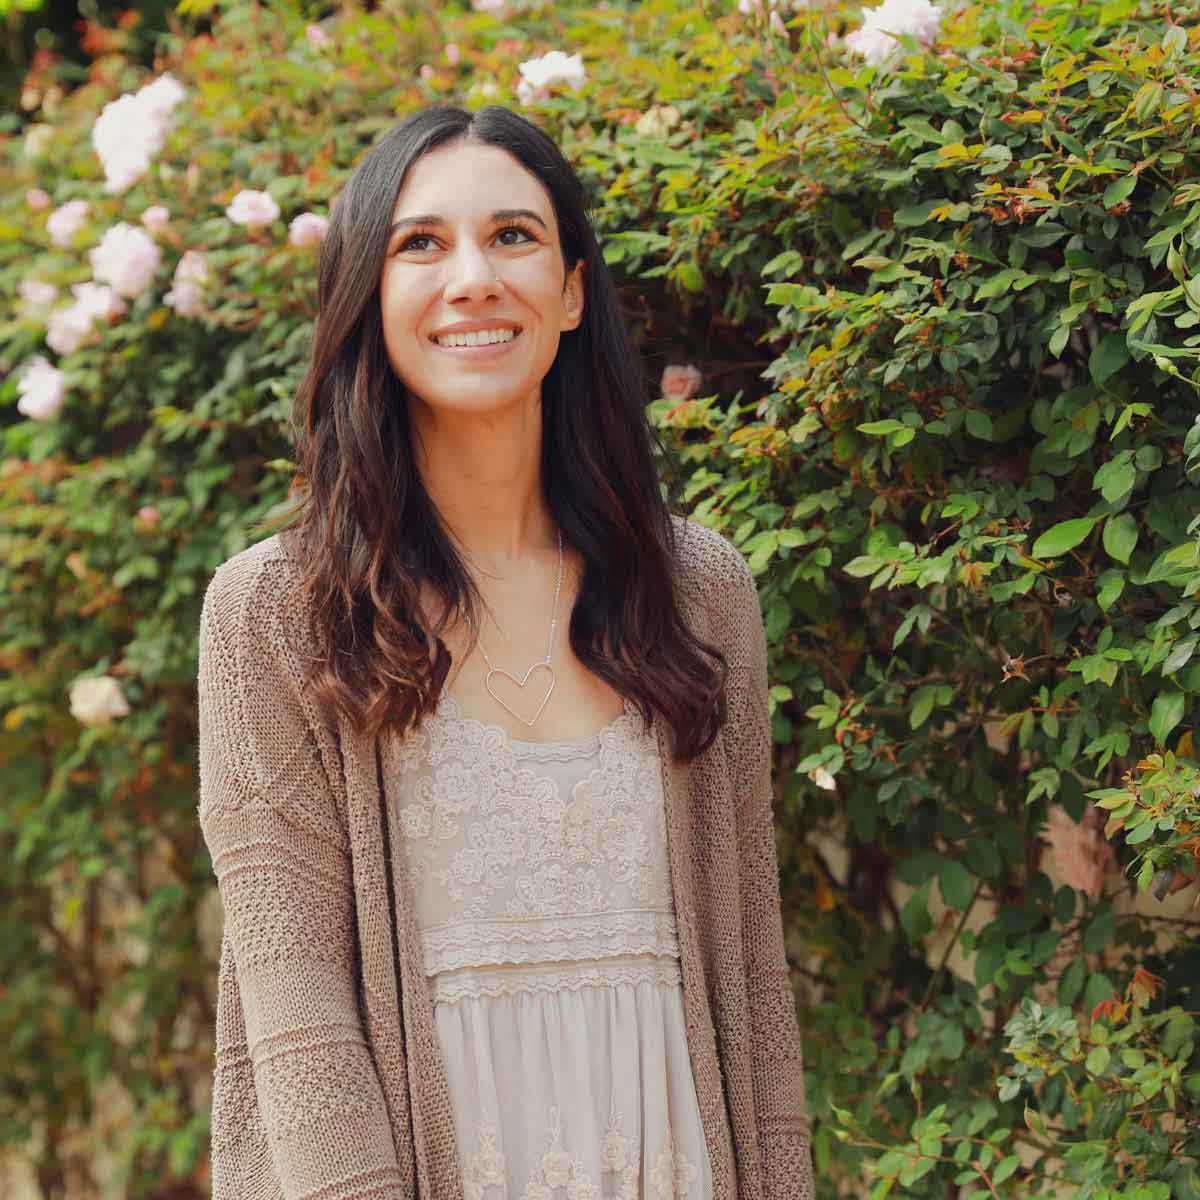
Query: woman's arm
x,y
281,856
777,1066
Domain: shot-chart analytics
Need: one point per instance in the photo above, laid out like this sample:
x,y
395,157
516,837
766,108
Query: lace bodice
x,y
531,852
543,896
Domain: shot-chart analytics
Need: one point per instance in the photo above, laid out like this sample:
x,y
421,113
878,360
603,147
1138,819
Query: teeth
x,y
484,337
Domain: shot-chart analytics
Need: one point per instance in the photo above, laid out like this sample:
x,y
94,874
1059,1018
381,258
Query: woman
x,y
491,822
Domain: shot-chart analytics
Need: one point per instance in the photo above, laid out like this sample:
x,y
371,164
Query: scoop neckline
x,y
450,703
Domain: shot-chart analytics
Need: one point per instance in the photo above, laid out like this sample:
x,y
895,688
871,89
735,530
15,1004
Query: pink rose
x,y
156,218
452,54
186,298
66,221
148,514
680,382
192,268
426,71
317,36
308,229
37,199
252,209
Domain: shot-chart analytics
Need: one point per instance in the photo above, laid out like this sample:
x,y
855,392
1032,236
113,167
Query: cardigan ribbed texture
x,y
329,1082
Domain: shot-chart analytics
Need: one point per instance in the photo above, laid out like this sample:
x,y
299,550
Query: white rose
x,y
98,700
68,328
42,390
126,258
36,293
537,74
131,129
162,95
252,209
874,41
66,221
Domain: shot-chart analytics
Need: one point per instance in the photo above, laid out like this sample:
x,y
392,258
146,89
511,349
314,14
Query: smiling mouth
x,y
488,345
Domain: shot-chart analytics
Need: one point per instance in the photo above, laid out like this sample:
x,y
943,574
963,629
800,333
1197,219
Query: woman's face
x,y
475,243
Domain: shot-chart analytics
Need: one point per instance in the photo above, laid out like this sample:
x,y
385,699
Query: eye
x,y
408,241
521,229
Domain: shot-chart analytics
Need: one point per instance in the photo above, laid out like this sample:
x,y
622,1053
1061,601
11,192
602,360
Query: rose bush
x,y
915,290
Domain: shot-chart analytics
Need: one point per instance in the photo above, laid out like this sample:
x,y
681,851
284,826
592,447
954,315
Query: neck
x,y
482,472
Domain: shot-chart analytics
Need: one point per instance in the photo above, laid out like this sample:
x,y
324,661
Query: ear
x,y
573,297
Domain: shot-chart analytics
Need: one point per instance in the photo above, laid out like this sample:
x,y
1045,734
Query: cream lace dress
x,y
547,921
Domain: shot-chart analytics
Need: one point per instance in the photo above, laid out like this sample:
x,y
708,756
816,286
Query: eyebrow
x,y
501,214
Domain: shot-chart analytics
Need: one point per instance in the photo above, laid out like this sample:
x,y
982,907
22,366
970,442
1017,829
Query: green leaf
x,y
1179,1031
918,214
1070,983
979,424
922,705
1100,929
1064,536
956,883
1180,654
1118,190
881,427
1112,584
690,275
1109,356
1098,1060
1115,479
1120,536
1165,714
914,916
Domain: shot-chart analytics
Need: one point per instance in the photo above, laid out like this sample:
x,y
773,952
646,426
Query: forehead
x,y
467,180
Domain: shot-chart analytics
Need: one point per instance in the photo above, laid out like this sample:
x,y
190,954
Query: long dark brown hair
x,y
368,533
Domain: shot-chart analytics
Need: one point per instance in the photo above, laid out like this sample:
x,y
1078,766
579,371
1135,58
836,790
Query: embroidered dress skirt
x,y
544,900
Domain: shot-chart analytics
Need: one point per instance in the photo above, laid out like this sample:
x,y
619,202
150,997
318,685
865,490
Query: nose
x,y
469,273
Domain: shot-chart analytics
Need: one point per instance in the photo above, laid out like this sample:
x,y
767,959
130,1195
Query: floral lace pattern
x,y
497,830
561,1174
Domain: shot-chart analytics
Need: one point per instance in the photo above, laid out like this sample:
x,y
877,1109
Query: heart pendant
x,y
487,683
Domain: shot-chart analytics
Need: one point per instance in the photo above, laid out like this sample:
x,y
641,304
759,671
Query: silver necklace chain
x,y
542,662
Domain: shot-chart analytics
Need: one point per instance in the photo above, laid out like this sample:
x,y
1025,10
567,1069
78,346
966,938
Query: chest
x,y
505,680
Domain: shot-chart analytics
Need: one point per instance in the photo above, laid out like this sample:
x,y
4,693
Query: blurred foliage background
x,y
920,332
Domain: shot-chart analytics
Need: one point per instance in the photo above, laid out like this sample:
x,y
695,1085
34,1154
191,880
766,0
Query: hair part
x,y
368,535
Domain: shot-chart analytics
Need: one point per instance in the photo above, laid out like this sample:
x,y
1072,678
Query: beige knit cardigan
x,y
329,1082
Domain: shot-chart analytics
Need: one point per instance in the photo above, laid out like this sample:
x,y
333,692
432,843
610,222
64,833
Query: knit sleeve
x,y
280,853
777,1062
